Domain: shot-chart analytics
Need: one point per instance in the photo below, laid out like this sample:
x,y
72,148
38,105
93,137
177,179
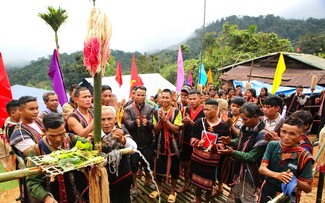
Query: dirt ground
x,y
9,196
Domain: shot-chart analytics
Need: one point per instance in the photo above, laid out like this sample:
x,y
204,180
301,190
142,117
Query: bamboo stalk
x,y
17,174
97,109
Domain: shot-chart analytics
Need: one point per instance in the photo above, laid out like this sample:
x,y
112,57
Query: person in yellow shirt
x,y
167,122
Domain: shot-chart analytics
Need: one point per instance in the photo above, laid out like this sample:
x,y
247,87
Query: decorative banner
x,y
5,94
56,77
135,79
190,79
280,68
180,71
202,75
118,74
210,79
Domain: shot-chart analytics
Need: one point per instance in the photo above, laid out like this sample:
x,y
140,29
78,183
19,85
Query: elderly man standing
x,y
52,102
114,137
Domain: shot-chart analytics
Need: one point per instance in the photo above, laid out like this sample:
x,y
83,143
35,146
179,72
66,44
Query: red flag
x,y
118,74
141,82
135,79
5,95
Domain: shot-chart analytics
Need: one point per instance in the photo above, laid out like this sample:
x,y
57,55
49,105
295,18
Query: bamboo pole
x,y
97,110
17,174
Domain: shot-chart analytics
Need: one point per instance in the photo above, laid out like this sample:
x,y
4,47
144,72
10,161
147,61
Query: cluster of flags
x,y
203,77
58,85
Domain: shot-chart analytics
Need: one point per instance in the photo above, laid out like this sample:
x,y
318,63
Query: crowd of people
x,y
208,138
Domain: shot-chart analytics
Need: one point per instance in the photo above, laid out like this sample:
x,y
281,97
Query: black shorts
x,y
161,167
135,159
186,152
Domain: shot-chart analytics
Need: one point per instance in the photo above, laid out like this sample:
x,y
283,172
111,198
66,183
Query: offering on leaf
x,y
78,157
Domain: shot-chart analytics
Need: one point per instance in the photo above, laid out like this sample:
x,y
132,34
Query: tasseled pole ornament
x,y
96,54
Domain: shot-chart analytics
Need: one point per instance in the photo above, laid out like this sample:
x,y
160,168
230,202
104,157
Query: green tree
x,y
54,18
312,43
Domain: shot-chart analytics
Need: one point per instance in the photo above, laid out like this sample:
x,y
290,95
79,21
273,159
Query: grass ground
x,y
9,184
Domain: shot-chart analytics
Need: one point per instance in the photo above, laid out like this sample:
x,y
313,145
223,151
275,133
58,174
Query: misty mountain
x,y
293,29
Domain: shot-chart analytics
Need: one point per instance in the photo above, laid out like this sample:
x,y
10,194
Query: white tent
x,y
20,90
152,82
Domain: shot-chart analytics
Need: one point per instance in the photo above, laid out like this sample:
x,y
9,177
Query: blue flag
x,y
203,78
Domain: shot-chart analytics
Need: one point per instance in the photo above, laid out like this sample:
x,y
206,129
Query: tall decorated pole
x,y
96,54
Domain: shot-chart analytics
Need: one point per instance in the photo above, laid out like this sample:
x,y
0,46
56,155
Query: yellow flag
x,y
209,76
280,68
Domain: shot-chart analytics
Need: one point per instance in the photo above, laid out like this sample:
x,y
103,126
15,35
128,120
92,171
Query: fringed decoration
x,y
104,185
99,31
94,189
92,55
98,184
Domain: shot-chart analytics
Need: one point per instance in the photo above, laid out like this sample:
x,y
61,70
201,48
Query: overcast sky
x,y
138,25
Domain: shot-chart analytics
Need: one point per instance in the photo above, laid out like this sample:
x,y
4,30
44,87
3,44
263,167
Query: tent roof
x,y
20,90
152,82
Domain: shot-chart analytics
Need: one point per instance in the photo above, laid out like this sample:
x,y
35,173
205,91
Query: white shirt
x,y
271,124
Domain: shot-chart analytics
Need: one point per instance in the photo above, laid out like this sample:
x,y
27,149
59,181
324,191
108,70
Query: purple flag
x,y
189,79
56,77
180,71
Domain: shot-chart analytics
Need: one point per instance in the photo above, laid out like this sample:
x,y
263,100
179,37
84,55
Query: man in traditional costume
x,y
167,122
190,114
26,135
29,131
250,147
205,158
68,187
287,167
113,137
80,121
138,121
